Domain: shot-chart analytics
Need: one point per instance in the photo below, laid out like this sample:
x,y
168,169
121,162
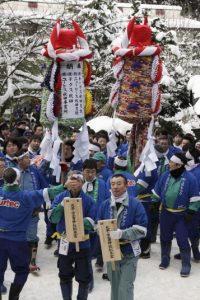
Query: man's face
x,y
177,140
74,185
11,149
118,186
184,142
24,162
100,164
35,144
89,174
68,151
174,166
164,143
102,142
39,131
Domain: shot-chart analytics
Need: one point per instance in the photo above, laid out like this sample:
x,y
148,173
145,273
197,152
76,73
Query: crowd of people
x,y
167,197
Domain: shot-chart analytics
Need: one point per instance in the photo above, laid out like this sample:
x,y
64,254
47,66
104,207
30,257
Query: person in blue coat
x,y
178,191
31,179
120,167
131,223
97,189
72,263
103,171
193,166
16,207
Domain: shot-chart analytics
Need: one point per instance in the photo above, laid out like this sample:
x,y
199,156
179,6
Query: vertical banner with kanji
x,y
73,90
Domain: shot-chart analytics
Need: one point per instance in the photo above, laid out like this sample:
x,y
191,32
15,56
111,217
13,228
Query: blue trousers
x,y
75,264
17,253
174,222
31,233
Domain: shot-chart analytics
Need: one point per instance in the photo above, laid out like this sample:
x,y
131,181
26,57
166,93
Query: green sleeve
x,y
133,233
56,214
194,206
54,191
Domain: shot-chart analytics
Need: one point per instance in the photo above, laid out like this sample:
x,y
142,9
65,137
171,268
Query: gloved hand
x,y
88,224
116,234
189,214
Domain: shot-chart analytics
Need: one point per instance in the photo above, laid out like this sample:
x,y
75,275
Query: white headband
x,y
176,160
22,155
120,162
77,176
188,155
94,148
16,181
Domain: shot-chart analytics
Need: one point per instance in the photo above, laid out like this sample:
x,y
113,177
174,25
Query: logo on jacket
x,y
9,203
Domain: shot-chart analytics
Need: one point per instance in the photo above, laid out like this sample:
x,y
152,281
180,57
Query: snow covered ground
x,y
151,282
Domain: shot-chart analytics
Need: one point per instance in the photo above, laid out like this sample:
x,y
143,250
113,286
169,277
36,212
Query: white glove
x,y
48,204
116,234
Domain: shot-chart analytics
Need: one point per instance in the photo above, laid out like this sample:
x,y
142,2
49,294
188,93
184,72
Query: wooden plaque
x,y
74,220
110,247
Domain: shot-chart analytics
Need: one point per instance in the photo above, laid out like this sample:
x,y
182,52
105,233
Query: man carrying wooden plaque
x,y
71,261
131,223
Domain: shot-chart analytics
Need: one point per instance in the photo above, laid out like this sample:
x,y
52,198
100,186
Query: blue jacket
x,y
103,193
147,182
188,192
89,210
104,173
16,208
37,180
133,213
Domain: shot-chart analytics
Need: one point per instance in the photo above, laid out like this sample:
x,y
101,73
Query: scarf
x,y
120,198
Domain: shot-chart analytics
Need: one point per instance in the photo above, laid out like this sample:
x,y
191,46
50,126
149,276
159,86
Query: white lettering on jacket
x,y
9,203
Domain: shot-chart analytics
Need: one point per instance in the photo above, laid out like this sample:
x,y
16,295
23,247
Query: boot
x,y
185,260
33,253
0,296
195,249
177,256
165,255
145,248
82,293
66,289
15,290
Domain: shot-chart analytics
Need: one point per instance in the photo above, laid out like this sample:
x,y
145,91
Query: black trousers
x,y
75,264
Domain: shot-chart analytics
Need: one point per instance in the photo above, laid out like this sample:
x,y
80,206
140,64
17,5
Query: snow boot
x,y
0,296
66,290
195,249
33,253
185,260
82,293
15,290
165,255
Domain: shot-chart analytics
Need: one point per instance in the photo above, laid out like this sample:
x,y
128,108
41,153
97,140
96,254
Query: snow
x,y
174,50
108,123
151,282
